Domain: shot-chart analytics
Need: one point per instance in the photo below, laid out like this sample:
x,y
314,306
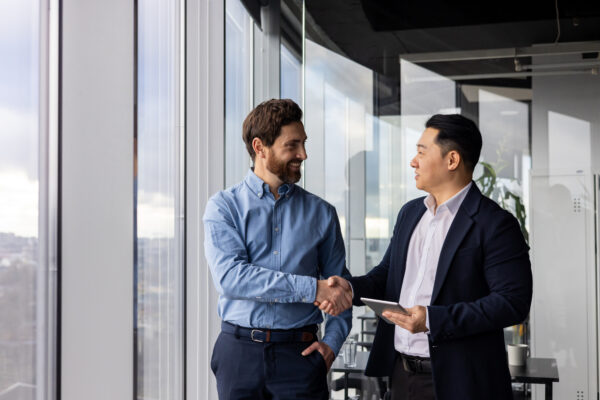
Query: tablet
x,y
379,306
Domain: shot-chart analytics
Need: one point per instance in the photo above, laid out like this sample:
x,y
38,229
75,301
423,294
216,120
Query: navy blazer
x,y
483,283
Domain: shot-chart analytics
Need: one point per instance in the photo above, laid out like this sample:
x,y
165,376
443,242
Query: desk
x,y
538,370
365,345
361,364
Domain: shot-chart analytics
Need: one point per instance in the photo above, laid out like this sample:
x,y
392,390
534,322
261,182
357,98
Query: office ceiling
x,y
375,32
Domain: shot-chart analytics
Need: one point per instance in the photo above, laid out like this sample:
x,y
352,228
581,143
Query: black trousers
x,y
267,371
410,386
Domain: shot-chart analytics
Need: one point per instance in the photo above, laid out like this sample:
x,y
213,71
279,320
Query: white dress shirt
x,y
421,266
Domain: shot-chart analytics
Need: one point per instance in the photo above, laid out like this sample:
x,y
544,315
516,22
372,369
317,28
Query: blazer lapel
x,y
404,234
458,230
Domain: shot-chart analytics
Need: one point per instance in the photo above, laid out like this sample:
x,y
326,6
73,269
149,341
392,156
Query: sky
x,y
19,130
19,116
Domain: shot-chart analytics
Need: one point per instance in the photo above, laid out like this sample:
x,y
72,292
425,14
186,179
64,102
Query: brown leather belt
x,y
304,334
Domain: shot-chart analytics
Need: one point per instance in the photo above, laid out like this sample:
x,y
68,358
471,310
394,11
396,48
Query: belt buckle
x,y
252,336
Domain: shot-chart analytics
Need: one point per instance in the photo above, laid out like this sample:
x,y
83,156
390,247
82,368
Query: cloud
x,y
18,203
155,215
19,141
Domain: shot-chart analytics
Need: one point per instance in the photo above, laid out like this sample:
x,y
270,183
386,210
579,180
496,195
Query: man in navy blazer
x,y
460,266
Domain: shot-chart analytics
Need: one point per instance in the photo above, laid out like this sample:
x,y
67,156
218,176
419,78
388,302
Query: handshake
x,y
334,295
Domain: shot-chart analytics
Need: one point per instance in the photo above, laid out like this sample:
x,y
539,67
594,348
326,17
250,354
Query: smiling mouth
x,y
295,165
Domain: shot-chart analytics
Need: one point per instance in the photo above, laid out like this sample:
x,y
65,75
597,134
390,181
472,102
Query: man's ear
x,y
258,147
453,159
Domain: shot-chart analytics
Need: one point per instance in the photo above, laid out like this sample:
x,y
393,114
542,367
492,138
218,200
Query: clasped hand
x,y
334,295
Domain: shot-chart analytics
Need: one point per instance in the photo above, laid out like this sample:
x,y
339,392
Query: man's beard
x,y
283,171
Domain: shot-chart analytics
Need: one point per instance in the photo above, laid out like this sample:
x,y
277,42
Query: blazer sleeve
x,y
507,271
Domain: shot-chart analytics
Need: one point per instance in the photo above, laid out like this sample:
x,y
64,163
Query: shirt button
x,y
275,252
276,229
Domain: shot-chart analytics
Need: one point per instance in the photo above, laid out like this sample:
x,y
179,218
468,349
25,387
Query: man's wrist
x,y
306,289
332,344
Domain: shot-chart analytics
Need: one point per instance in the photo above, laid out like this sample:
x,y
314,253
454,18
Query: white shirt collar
x,y
452,204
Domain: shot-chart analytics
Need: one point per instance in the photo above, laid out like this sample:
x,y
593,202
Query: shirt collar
x,y
452,204
259,187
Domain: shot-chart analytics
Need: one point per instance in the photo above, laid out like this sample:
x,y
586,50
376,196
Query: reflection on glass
x,y
339,121
569,143
565,277
291,76
21,355
159,210
424,92
504,125
238,88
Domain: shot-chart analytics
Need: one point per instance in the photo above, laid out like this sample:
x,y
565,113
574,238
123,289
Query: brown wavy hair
x,y
266,120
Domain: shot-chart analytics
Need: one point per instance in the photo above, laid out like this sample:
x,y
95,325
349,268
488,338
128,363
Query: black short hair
x,y
457,133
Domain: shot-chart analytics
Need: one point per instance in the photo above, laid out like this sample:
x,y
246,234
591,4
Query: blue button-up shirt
x,y
266,255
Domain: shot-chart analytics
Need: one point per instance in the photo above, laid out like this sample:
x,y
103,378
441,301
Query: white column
x,y
97,199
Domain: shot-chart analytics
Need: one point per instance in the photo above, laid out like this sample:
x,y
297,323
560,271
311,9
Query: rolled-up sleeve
x,y
234,275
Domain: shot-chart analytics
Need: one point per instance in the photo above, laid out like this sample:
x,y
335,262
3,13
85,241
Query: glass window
x,y
26,295
159,256
291,75
238,88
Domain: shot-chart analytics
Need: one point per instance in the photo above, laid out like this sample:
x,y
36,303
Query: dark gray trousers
x,y
410,386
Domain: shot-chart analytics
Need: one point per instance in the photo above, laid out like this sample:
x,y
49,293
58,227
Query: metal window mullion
x,y
47,288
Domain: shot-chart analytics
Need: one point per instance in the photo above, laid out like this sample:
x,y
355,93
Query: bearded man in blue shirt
x,y
271,245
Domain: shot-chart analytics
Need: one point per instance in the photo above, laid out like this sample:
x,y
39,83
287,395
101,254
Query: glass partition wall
x,y
373,77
